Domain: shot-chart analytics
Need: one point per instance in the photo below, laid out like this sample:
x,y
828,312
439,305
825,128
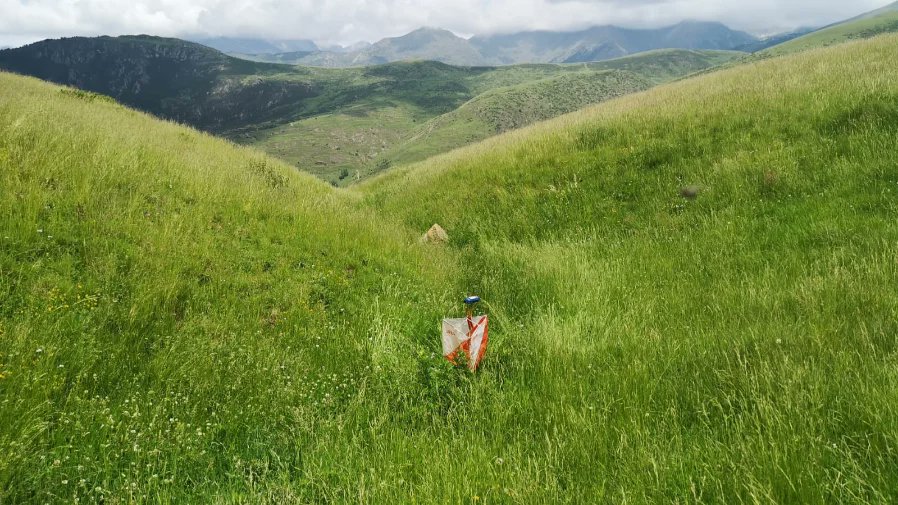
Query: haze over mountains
x,y
593,44
232,45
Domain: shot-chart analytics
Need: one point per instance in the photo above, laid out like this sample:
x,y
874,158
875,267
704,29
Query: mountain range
x,y
255,46
593,44
339,121
237,45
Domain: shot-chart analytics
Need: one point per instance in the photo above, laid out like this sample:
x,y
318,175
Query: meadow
x,y
877,23
188,321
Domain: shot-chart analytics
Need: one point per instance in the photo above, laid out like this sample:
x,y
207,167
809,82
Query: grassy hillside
x,y
738,347
185,321
504,109
881,21
333,123
382,129
665,65
179,313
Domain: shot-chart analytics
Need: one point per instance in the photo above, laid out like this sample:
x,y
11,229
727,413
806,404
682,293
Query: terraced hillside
x,y
332,123
691,292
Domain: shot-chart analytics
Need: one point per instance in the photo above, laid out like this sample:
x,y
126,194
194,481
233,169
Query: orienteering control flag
x,y
468,335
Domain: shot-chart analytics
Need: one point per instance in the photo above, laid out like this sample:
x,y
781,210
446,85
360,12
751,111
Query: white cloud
x,y
347,21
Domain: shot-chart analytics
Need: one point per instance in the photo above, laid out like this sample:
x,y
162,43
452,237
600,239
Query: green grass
x,y
862,28
368,119
340,147
505,109
186,321
177,311
338,124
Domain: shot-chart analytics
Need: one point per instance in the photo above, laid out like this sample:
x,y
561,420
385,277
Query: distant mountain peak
x,y
431,29
596,43
424,33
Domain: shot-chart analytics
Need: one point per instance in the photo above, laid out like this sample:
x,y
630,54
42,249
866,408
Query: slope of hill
x,y
378,132
738,343
187,321
503,109
171,78
665,65
883,20
892,7
186,295
331,122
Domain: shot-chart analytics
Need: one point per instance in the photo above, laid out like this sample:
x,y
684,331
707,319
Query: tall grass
x,y
186,321
179,314
739,347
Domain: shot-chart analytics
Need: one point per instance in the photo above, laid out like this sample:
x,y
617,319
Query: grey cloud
x,y
347,21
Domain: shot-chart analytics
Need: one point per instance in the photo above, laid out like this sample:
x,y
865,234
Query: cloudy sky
x,y
348,21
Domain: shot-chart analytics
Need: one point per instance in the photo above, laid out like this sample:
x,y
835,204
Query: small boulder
x,y
690,192
435,235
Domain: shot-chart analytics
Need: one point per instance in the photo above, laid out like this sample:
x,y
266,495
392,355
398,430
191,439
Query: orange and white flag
x,y
469,335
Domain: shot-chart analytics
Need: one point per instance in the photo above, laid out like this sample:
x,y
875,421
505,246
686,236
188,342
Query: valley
x,y
188,320
347,124
340,124
214,288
